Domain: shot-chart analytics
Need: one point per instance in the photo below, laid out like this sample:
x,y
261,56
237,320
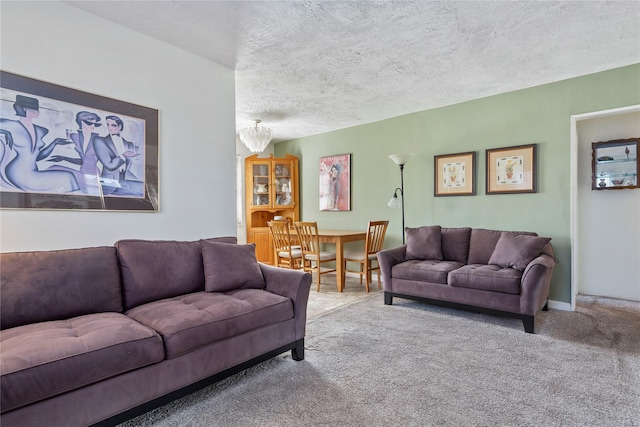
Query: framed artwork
x,y
454,174
335,183
511,170
62,148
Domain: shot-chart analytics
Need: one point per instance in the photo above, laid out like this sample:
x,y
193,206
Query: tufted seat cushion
x,y
487,277
45,359
427,271
195,320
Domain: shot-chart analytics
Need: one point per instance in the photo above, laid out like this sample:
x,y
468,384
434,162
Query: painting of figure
x,y
335,183
23,146
50,146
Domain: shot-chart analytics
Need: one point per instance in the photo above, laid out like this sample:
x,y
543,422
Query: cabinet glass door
x,y
261,184
283,182
615,164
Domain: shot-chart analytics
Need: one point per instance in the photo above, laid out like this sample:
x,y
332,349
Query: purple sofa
x,y
498,272
100,335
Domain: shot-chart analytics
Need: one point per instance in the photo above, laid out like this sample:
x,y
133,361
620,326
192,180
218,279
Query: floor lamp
x,y
400,160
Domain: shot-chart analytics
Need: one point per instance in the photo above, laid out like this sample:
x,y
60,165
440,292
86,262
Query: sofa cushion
x,y
57,285
192,321
424,242
487,278
483,242
481,245
517,250
424,270
157,269
228,267
455,244
45,359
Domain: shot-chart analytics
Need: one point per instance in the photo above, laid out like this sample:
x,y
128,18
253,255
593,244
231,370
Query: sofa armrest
x,y
387,258
293,284
535,282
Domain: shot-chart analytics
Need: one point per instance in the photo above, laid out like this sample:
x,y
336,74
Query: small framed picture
x,y
511,170
455,174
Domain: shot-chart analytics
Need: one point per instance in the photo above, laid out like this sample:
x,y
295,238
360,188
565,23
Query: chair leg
x,y
318,270
344,271
365,266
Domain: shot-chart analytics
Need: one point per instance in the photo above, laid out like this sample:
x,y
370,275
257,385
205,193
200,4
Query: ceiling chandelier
x,y
255,138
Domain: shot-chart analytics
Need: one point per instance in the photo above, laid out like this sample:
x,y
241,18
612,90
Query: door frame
x,y
575,258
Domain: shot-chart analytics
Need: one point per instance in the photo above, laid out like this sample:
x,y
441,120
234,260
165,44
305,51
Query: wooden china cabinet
x,y
271,188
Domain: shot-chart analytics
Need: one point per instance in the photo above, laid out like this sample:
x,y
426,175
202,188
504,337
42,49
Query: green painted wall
x,y
539,115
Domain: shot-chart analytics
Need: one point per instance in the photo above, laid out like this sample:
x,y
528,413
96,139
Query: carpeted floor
x,y
414,364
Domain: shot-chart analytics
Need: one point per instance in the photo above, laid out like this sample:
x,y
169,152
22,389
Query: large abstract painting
x,y
61,148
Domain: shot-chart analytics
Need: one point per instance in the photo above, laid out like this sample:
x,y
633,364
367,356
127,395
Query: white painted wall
x,y
57,43
609,221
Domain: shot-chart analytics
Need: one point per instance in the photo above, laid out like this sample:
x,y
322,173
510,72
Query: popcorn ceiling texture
x,y
307,67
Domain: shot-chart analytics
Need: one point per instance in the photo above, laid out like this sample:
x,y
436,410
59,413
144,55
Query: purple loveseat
x,y
103,334
498,272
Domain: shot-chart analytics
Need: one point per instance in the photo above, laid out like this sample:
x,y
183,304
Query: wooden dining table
x,y
339,238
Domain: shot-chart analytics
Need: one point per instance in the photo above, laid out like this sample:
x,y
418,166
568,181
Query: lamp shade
x,y
255,138
394,202
400,159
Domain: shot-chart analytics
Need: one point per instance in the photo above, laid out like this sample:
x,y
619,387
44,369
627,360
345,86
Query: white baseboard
x,y
559,305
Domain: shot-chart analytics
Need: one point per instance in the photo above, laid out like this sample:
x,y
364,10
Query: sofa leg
x,y
388,298
297,353
528,323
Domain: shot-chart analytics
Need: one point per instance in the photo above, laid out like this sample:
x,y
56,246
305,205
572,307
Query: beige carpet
x,y
413,364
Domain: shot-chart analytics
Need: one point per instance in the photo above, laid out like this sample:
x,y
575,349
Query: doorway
x,y
605,225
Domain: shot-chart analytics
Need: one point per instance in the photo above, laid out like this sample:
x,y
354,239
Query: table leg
x,y
339,265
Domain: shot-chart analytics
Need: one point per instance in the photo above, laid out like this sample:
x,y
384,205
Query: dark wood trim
x,y
528,321
297,353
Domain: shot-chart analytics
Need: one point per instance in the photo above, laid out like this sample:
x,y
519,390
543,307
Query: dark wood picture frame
x,y
28,184
454,174
511,170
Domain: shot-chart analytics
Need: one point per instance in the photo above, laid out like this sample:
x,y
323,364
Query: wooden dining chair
x,y
286,254
367,259
312,256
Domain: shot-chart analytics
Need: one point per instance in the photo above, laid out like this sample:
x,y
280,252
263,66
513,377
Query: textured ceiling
x,y
307,67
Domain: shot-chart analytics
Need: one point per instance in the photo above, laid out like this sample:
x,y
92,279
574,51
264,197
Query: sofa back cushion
x,y
483,242
455,244
424,242
228,267
158,269
57,285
